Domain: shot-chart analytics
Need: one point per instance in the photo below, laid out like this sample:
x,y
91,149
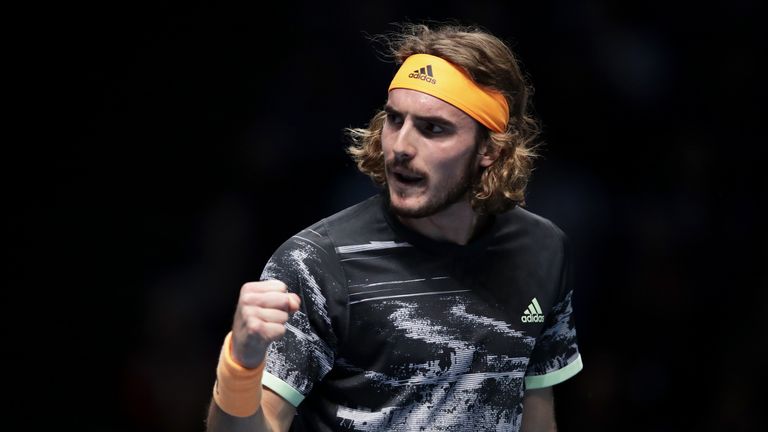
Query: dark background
x,y
169,147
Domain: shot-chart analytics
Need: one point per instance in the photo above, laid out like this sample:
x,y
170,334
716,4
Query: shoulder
x,y
523,222
360,223
318,240
357,214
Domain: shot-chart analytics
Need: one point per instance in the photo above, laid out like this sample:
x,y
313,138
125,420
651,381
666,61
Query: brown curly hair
x,y
490,63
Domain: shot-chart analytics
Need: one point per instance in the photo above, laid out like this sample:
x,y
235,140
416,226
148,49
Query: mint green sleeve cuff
x,y
554,377
283,389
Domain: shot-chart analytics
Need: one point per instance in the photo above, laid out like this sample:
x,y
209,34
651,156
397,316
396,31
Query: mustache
x,y
391,165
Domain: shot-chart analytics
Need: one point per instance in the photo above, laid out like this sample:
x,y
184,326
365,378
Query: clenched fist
x,y
262,311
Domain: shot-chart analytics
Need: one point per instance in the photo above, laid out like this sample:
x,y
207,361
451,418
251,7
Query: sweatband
x,y
238,389
437,77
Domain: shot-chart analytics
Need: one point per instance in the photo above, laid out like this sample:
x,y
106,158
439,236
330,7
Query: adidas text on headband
x,y
437,77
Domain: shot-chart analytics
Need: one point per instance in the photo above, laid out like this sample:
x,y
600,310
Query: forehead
x,y
420,104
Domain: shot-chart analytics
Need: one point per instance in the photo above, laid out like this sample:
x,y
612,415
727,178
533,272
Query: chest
x,y
437,315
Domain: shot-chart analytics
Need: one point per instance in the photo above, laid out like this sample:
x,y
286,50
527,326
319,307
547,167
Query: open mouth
x,y
408,178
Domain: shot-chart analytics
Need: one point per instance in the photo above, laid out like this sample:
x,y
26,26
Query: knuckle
x,y
275,284
283,317
278,333
246,290
245,297
285,303
256,299
253,298
248,312
254,325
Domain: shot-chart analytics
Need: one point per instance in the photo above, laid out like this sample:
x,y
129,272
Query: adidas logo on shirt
x,y
533,314
424,74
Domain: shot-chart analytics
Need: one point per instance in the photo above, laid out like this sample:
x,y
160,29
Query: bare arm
x,y
275,415
262,311
539,411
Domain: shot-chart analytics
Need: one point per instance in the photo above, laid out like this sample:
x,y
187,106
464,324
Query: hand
x,y
262,311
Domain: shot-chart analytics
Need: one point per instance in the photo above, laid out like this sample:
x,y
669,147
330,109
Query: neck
x,y
456,224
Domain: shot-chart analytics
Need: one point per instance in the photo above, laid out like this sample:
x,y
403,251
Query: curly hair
x,y
490,63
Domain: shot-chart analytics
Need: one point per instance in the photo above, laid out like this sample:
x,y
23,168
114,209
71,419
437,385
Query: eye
x,y
394,119
433,129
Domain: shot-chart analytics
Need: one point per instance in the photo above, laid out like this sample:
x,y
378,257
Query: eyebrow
x,y
431,119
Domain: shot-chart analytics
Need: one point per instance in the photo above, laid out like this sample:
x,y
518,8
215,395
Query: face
x,y
430,152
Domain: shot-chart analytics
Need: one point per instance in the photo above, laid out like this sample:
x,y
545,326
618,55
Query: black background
x,y
167,148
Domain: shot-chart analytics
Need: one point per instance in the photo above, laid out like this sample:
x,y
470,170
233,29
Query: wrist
x,y
247,362
238,388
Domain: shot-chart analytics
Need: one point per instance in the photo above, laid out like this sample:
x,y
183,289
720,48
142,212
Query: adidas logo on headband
x,y
424,74
456,87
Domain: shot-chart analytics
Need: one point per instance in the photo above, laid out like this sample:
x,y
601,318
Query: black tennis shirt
x,y
398,332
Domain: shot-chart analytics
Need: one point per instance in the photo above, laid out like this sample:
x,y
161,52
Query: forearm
x,y
539,411
219,421
240,403
274,415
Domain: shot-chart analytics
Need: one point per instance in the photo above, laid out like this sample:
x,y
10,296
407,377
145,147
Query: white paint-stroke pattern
x,y
310,241
373,245
387,283
448,394
460,311
299,265
292,369
363,258
368,285
290,365
406,295
562,332
321,351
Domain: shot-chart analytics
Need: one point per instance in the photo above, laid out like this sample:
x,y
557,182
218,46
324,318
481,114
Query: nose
x,y
403,146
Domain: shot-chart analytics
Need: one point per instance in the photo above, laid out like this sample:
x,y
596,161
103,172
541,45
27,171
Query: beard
x,y
442,199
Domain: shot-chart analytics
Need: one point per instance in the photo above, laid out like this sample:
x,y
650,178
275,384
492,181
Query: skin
x,y
263,308
431,155
426,137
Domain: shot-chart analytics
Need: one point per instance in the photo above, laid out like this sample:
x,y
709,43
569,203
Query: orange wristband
x,y
238,389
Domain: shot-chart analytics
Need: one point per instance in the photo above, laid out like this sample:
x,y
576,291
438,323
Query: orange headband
x,y
443,80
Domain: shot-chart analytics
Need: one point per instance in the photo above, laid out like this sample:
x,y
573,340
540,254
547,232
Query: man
x,y
439,304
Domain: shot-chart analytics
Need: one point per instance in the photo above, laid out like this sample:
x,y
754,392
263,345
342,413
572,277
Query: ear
x,y
488,153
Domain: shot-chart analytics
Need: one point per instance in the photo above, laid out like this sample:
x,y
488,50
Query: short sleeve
x,y
555,356
307,264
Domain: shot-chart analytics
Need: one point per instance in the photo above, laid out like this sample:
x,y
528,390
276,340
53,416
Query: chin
x,y
410,208
409,212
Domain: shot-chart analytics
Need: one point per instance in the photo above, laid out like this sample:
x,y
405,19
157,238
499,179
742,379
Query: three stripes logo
x,y
424,74
533,314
